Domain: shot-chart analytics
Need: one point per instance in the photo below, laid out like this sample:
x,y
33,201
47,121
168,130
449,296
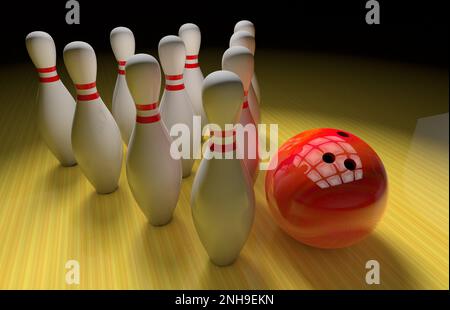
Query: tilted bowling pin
x,y
96,138
56,107
239,60
245,39
176,107
193,76
153,175
245,25
123,109
222,200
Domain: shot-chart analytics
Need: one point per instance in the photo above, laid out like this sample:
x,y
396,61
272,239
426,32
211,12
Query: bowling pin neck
x,y
87,92
147,113
174,82
245,103
191,62
223,143
121,67
48,75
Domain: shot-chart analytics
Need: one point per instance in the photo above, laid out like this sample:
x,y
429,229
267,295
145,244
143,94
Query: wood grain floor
x,y
50,214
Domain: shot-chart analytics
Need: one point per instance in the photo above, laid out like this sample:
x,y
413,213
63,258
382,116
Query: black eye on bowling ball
x,y
350,164
328,158
343,134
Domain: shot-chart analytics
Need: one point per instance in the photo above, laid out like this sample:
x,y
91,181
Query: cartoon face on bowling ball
x,y
328,188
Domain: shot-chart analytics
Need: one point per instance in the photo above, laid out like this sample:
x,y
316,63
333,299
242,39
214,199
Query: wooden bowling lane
x,y
50,214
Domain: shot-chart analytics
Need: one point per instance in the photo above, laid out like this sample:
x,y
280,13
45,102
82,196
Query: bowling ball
x,y
328,188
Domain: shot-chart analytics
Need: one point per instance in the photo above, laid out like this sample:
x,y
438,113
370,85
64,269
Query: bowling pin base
x,y
106,191
223,263
68,164
160,222
187,167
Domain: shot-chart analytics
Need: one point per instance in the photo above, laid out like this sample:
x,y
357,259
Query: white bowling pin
x,y
239,60
176,107
248,26
246,39
193,76
96,138
245,25
56,107
123,109
223,202
153,175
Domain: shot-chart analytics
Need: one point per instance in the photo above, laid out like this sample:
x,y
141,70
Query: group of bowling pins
x,y
87,133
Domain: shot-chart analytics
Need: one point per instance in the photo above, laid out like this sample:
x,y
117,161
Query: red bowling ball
x,y
328,189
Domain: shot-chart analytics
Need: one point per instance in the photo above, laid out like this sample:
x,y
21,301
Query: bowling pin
x,y
239,60
96,138
245,39
245,25
222,201
153,175
123,109
176,107
56,107
193,76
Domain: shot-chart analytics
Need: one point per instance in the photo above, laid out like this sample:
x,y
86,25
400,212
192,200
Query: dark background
x,y
409,31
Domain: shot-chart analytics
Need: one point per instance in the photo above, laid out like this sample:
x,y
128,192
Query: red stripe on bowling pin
x,y
45,74
121,69
245,104
147,119
174,78
191,62
86,87
223,147
146,107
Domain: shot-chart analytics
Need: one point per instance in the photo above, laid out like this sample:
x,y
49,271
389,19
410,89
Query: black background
x,y
349,299
409,31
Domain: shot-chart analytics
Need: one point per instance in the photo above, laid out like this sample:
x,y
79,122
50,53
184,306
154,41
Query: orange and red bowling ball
x,y
328,189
